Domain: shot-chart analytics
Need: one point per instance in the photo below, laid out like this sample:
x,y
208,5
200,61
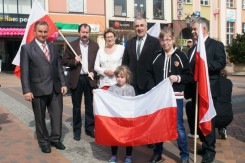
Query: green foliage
x,y
236,49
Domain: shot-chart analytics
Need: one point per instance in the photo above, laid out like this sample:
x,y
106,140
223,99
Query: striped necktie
x,y
46,52
138,48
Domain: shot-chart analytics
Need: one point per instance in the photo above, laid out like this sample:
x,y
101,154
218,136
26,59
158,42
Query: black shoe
x,y
155,158
222,133
185,161
90,133
58,145
77,138
45,148
151,145
208,158
201,152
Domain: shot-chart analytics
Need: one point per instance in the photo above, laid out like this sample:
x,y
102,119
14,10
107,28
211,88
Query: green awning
x,y
67,26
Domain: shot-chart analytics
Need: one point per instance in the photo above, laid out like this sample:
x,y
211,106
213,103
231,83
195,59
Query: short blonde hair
x,y
124,71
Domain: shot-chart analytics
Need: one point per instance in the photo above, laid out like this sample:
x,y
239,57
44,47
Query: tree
x,y
236,49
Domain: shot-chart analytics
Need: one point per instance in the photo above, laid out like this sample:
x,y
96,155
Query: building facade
x,y
227,18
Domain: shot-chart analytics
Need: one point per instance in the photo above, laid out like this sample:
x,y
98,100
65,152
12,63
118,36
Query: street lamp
x,y
188,21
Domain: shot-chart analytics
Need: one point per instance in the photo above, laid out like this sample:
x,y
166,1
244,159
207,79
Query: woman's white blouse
x,y
108,61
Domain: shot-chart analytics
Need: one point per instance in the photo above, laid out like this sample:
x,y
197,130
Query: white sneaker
x,y
192,136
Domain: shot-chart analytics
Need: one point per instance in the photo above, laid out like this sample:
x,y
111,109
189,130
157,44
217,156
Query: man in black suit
x,y
138,54
86,50
43,84
216,61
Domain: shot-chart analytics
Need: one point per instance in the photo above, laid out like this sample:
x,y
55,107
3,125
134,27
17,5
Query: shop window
x,y
229,32
120,8
24,6
205,2
10,6
140,8
76,6
158,9
230,3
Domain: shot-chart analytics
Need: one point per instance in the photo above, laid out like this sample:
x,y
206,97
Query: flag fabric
x,y
37,14
206,106
131,121
155,30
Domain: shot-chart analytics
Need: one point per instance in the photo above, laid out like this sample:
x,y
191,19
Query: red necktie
x,y
45,50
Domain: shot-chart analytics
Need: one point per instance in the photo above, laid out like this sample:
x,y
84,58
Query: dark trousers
x,y
83,86
129,150
190,113
54,104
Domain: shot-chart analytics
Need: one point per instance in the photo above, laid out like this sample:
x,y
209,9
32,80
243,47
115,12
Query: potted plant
x,y
236,51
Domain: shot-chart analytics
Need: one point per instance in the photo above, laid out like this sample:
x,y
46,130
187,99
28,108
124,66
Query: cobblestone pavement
x,y
18,141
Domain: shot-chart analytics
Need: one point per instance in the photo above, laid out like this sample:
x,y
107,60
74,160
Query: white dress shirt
x,y
84,52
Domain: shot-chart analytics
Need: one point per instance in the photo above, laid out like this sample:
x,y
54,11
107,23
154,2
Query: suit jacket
x,y
216,60
139,67
75,69
38,75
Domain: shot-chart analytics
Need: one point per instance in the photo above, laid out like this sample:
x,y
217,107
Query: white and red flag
x,y
131,121
37,14
206,106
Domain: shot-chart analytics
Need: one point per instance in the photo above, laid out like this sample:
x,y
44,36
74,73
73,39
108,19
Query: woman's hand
x,y
174,78
109,72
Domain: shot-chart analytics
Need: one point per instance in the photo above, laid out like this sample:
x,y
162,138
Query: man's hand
x,y
78,59
28,96
63,90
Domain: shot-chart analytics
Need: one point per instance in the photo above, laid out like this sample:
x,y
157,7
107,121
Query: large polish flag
x,y
155,30
206,106
37,14
132,121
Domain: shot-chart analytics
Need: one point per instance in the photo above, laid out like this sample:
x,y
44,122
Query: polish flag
x,y
206,106
37,14
155,30
131,121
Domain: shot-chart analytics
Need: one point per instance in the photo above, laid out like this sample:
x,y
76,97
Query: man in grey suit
x,y
138,54
43,84
86,50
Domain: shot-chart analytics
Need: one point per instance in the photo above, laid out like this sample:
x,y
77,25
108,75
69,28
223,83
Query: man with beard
x,y
86,50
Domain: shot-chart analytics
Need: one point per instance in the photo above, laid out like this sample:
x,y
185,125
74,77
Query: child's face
x,y
121,79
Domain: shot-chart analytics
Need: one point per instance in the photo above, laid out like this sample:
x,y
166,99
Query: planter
x,y
239,69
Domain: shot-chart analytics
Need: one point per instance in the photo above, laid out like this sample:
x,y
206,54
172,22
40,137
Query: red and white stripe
x,y
206,106
37,14
132,121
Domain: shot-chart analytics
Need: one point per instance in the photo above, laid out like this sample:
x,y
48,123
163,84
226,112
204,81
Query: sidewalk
x,y
18,143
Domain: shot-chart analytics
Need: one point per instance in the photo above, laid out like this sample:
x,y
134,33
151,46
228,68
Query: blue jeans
x,y
182,141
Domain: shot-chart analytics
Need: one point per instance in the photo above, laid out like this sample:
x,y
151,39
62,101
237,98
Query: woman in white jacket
x,y
108,59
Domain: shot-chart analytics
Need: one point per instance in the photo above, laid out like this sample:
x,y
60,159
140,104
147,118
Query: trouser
x,y
129,150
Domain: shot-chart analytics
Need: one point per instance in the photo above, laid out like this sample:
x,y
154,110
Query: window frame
x,y
126,9
202,2
136,12
162,13
229,2
185,1
243,27
229,33
243,4
70,9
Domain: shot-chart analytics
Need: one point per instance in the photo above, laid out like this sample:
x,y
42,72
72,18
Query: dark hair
x,y
109,30
124,71
40,23
203,21
85,26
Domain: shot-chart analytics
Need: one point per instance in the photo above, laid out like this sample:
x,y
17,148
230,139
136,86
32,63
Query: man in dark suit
x,y
216,60
43,83
86,50
138,54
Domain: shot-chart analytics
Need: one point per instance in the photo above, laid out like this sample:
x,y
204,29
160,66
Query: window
x,y
1,6
24,6
187,1
243,4
243,27
205,2
229,32
10,6
75,6
230,3
158,9
140,8
120,8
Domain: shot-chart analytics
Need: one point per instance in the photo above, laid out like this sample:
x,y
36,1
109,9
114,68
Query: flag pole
x,y
196,116
84,68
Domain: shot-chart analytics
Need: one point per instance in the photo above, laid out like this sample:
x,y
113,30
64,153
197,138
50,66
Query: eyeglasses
x,y
109,37
167,40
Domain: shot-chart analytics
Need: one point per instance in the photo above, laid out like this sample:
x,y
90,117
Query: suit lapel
x,y
133,47
38,50
51,52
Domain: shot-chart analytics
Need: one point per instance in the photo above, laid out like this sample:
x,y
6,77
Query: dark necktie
x,y
138,48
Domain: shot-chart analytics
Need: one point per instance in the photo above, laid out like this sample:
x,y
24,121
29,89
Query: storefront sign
x,y
13,20
121,24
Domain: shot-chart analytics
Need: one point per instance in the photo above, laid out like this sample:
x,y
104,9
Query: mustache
x,y
84,37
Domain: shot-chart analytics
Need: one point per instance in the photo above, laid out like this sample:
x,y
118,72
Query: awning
x,y
66,27
12,31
